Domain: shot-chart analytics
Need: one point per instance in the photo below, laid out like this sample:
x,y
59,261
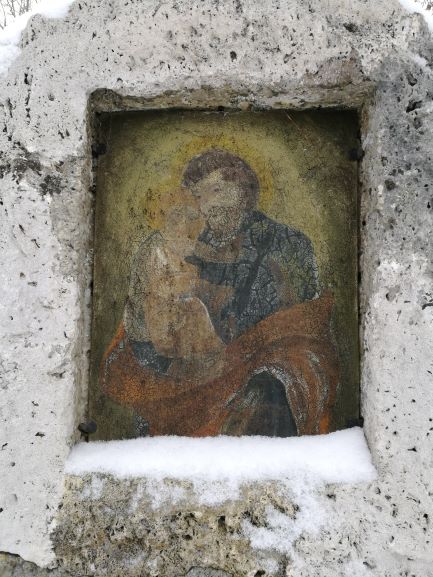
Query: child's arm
x,y
178,324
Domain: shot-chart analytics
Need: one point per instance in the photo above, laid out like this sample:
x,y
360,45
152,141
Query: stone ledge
x,y
144,527
162,506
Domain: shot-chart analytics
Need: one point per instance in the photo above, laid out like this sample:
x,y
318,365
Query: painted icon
x,y
224,330
225,298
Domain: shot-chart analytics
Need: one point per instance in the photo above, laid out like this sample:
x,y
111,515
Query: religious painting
x,y
225,275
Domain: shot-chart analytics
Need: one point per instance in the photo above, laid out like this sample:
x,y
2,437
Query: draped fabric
x,y
294,345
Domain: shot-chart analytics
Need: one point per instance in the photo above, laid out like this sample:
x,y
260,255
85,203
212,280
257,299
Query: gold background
x,y
306,181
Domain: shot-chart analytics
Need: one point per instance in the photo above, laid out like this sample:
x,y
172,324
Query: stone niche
x,y
226,307
71,80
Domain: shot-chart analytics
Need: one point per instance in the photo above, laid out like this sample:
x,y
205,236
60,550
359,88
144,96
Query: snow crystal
x,y
416,6
11,34
341,457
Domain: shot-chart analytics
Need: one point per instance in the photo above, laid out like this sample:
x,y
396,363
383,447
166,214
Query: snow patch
x,y
341,457
413,6
420,60
280,530
11,34
94,490
163,493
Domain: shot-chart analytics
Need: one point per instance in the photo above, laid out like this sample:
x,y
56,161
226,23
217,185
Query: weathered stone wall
x,y
134,55
165,530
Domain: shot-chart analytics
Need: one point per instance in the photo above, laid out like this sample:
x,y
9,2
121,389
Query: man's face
x,y
220,201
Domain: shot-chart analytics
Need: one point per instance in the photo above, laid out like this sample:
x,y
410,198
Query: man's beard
x,y
224,222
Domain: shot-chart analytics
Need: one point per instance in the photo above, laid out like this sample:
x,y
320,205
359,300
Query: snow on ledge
x,y
416,6
341,457
11,34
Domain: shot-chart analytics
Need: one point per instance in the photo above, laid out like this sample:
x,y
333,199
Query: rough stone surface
x,y
149,528
208,572
14,566
116,55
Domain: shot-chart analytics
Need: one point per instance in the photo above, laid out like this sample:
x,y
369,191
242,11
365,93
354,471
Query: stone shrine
x,y
349,77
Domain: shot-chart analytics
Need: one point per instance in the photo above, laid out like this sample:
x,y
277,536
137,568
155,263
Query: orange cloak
x,y
293,344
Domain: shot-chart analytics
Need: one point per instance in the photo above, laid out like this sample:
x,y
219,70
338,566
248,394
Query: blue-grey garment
x,y
275,269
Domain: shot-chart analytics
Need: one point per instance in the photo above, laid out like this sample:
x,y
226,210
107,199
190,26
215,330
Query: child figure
x,y
162,307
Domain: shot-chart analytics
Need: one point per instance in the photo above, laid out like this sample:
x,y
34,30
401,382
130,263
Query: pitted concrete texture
x,y
371,55
15,566
206,572
108,526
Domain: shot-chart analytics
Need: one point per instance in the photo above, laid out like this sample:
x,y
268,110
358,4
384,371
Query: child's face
x,y
183,226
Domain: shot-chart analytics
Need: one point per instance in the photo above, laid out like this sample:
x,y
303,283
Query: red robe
x,y
294,344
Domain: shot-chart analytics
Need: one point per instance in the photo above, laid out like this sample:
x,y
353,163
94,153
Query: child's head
x,y
183,224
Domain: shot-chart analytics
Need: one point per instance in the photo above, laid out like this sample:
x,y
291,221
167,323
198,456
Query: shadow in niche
x,y
262,409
